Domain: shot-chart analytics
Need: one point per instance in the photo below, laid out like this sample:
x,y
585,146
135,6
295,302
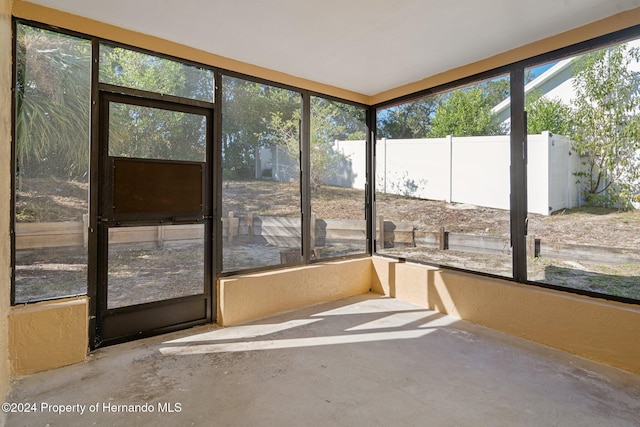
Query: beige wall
x,y
253,296
5,187
600,330
48,335
51,334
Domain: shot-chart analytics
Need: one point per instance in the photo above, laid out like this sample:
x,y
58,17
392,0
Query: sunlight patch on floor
x,y
243,332
395,320
381,323
293,342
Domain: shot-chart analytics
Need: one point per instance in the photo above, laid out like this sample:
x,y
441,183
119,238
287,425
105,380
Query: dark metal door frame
x,y
145,319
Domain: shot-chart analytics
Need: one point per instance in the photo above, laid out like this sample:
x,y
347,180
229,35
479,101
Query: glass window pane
x,y
152,133
261,173
584,172
338,177
442,179
154,263
128,68
52,162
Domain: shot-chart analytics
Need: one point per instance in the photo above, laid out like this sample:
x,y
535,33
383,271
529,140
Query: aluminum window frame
x,y
518,178
518,175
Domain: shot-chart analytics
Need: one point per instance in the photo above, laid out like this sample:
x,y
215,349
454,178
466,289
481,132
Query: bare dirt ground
x,y
44,201
51,200
55,200
587,225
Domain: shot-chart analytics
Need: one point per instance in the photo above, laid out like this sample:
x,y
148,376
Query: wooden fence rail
x,y
285,232
49,234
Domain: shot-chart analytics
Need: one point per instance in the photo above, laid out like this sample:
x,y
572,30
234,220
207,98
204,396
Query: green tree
x,y
547,115
53,100
408,120
330,121
497,90
136,131
248,109
242,114
463,114
606,125
466,112
144,132
128,68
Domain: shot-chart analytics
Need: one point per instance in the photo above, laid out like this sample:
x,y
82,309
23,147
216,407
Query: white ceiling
x,y
366,46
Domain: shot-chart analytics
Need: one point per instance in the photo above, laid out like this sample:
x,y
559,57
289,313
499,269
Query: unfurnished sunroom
x,y
167,175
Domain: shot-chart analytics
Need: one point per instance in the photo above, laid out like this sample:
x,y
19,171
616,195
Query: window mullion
x,y
518,172
305,176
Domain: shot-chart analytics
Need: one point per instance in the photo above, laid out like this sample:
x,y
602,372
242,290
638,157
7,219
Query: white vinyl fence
x,y
473,170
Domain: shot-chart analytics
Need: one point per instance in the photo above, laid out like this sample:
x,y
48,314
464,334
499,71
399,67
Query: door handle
x,y
187,219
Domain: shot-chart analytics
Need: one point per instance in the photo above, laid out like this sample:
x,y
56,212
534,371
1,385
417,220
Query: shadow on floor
x,y
366,360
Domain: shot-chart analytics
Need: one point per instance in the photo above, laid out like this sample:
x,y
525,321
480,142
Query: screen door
x,y
154,222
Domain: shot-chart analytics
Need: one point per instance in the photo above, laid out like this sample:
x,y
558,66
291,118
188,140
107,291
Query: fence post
x,y
250,226
313,230
532,249
444,239
85,230
380,239
230,227
450,175
386,178
160,238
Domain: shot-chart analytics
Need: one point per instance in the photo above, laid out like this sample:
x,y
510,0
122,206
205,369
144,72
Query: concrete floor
x,y
362,361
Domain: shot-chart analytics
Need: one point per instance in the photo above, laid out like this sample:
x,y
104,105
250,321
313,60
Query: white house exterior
x,y
555,83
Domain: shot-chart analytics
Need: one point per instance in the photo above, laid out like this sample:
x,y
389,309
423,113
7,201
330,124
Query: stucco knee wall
x,y
599,330
252,296
51,334
48,335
